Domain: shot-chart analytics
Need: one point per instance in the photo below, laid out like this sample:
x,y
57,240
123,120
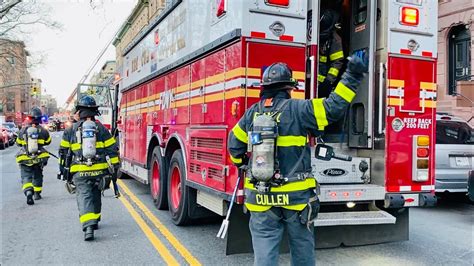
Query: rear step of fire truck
x,y
332,194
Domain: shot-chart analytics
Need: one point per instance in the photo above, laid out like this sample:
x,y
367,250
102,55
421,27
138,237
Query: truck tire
x,y
157,179
178,193
2,146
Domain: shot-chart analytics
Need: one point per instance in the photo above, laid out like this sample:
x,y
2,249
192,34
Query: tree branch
x,y
7,7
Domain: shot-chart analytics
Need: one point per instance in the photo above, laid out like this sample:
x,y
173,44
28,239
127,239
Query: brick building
x,y
455,45
143,14
14,99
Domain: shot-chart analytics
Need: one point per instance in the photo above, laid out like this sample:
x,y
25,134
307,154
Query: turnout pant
x,y
32,177
267,231
88,198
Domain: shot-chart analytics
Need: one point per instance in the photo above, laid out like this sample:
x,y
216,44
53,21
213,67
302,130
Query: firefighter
x,y
331,55
272,140
94,159
32,156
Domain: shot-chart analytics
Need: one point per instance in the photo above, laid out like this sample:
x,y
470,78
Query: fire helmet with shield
x,y
277,75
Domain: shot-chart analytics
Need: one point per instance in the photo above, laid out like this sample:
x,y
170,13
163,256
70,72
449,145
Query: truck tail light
x,y
283,3
422,164
421,152
410,16
221,8
422,175
423,140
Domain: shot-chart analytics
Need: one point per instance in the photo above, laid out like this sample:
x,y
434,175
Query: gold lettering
x,y
283,199
258,198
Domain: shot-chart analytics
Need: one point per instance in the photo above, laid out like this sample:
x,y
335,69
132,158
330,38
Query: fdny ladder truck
x,y
190,75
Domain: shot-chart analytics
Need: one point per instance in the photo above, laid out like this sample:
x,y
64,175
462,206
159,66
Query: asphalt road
x,y
133,232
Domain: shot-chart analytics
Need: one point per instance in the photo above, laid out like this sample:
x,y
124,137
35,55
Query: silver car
x,y
454,153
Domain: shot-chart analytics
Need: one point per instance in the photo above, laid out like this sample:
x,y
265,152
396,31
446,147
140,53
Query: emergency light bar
x,y
410,16
281,3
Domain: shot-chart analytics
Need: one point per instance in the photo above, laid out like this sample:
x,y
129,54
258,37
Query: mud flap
x,y
357,235
238,238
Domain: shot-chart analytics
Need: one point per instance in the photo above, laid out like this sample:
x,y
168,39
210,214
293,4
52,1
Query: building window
x,y
459,56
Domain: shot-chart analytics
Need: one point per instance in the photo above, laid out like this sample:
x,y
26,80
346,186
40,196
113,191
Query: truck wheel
x,y
177,191
2,146
157,180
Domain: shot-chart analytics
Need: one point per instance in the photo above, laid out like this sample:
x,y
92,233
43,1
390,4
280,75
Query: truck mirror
x,y
323,152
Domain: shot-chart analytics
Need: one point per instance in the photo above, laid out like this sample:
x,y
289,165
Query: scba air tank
x,y
89,139
32,136
263,139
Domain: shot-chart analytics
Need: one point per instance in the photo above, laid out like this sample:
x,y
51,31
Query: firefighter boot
x,y
37,196
29,197
89,233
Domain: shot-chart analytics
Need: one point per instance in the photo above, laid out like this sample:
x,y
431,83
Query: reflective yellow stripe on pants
x,y
89,216
65,144
27,185
37,189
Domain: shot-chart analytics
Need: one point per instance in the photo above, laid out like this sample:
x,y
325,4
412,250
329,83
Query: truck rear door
x,y
363,30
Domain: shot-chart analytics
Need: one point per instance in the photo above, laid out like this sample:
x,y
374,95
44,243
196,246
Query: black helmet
x,y
35,113
278,73
86,102
327,21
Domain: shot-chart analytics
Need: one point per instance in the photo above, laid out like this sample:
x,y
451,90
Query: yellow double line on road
x,y
155,241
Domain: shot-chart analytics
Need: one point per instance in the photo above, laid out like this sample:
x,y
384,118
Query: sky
x,y
70,52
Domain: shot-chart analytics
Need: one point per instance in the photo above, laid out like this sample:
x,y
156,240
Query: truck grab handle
x,y
380,112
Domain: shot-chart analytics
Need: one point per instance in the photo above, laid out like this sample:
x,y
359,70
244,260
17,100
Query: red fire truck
x,y
191,74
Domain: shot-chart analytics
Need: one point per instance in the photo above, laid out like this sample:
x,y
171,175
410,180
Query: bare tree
x,y
18,19
6,6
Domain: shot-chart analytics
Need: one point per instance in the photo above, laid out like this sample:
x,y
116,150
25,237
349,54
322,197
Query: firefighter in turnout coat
x,y
285,197
94,161
331,55
32,157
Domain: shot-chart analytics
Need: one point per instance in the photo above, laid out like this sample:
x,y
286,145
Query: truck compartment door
x,y
363,31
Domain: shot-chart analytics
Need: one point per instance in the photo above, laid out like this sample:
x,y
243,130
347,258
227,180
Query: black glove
x,y
355,71
357,65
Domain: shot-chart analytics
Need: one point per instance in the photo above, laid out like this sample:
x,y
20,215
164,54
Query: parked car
x,y
12,126
454,153
4,139
11,136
